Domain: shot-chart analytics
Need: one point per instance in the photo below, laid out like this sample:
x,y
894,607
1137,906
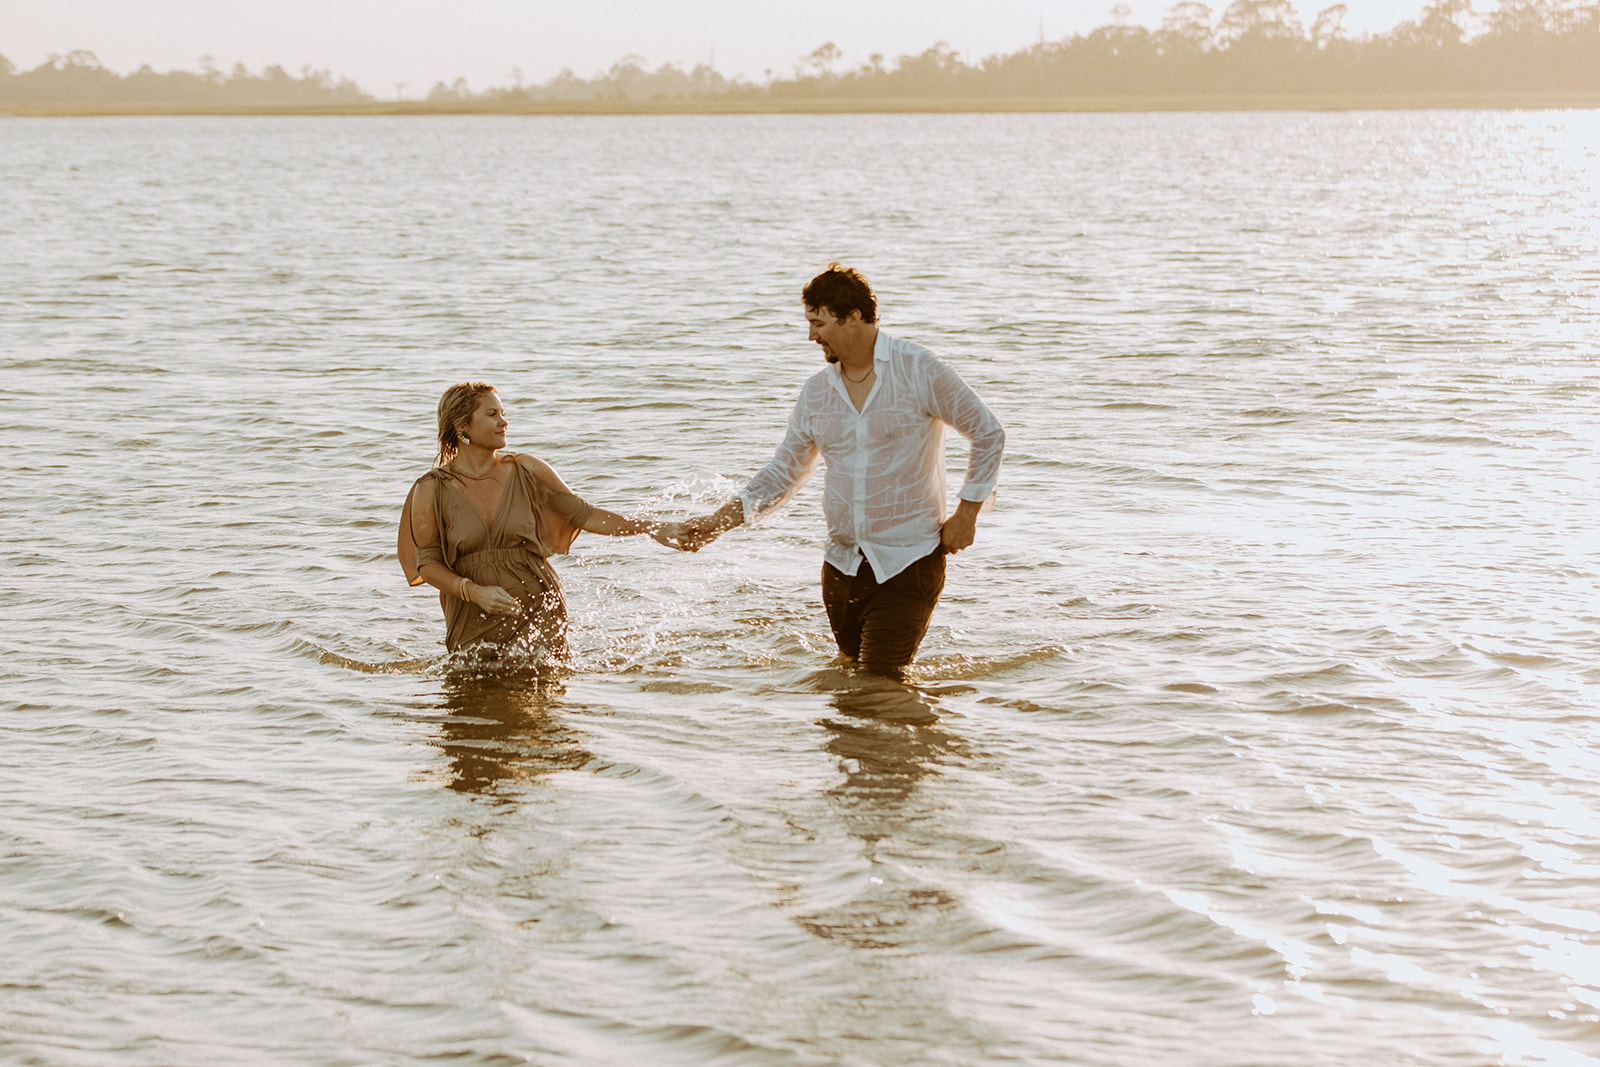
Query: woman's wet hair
x,y
456,408
839,291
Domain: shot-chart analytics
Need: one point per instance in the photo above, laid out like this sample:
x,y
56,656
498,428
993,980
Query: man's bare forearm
x,y
728,516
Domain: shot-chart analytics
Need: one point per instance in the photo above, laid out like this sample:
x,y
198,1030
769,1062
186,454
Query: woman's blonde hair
x,y
456,408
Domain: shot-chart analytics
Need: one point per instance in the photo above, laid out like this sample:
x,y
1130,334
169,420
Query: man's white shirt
x,y
884,492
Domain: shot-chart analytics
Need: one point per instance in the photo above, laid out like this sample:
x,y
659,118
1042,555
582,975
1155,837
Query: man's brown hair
x,y
839,291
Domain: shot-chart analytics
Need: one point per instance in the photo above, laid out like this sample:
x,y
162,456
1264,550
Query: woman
x,y
479,526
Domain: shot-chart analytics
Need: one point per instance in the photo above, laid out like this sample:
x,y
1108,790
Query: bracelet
x,y
461,589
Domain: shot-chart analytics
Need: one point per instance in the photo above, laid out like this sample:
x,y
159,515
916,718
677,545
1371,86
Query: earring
x,y
465,439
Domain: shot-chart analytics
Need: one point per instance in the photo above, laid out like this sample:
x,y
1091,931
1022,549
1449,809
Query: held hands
x,y
700,532
685,536
691,535
669,534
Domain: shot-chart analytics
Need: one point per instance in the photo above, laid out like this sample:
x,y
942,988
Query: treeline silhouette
x,y
79,78
1253,48
1258,47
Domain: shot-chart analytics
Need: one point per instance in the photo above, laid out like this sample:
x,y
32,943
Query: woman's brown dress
x,y
532,522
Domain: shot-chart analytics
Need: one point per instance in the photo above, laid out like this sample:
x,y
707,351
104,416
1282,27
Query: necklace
x,y
857,381
459,473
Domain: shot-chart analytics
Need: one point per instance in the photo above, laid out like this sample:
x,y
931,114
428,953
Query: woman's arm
x,y
599,520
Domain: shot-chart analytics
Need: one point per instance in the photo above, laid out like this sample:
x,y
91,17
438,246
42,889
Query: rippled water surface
x,y
1258,727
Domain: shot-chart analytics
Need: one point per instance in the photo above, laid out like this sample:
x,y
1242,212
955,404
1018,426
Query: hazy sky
x,y
380,43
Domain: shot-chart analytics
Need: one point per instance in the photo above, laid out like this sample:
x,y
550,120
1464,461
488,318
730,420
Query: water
x,y
1257,728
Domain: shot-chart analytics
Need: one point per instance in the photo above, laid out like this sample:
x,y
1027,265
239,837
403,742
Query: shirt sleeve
x,y
953,402
790,468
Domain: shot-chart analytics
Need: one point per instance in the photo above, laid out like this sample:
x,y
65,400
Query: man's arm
x,y
771,488
953,402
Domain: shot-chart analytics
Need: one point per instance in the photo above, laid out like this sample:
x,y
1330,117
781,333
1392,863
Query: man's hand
x,y
960,529
671,535
699,532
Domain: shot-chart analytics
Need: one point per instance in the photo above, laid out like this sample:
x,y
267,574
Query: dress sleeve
x,y
411,555
406,547
561,518
428,554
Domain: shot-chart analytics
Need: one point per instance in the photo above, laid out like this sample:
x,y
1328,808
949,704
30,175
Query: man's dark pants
x,y
880,624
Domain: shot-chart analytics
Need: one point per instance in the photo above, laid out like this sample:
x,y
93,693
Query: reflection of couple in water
x,y
480,525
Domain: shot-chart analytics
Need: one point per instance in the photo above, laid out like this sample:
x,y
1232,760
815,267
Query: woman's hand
x,y
493,599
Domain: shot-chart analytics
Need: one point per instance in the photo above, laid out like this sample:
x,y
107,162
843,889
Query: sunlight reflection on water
x,y
1255,727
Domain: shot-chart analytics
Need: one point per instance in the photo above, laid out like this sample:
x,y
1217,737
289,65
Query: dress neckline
x,y
500,504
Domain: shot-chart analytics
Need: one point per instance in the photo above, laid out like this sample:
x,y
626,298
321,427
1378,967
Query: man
x,y
876,415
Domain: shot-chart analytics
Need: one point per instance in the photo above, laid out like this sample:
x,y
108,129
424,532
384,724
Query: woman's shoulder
x,y
433,476
540,470
531,463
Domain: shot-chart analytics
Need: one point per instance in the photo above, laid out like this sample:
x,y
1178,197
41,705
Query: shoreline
x,y
764,105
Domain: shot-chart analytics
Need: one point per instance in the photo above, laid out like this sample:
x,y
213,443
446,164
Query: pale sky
x,y
381,43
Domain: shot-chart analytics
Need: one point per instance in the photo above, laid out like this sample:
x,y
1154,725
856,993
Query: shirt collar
x,y
880,354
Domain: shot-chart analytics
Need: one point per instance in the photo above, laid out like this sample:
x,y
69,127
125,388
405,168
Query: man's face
x,y
827,331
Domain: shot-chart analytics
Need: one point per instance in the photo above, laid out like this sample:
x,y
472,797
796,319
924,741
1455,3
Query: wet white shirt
x,y
884,493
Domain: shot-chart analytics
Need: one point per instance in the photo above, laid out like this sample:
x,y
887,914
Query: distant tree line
x,y
1254,47
78,78
1259,46
628,79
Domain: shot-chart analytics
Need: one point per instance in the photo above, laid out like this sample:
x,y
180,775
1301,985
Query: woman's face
x,y
487,427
